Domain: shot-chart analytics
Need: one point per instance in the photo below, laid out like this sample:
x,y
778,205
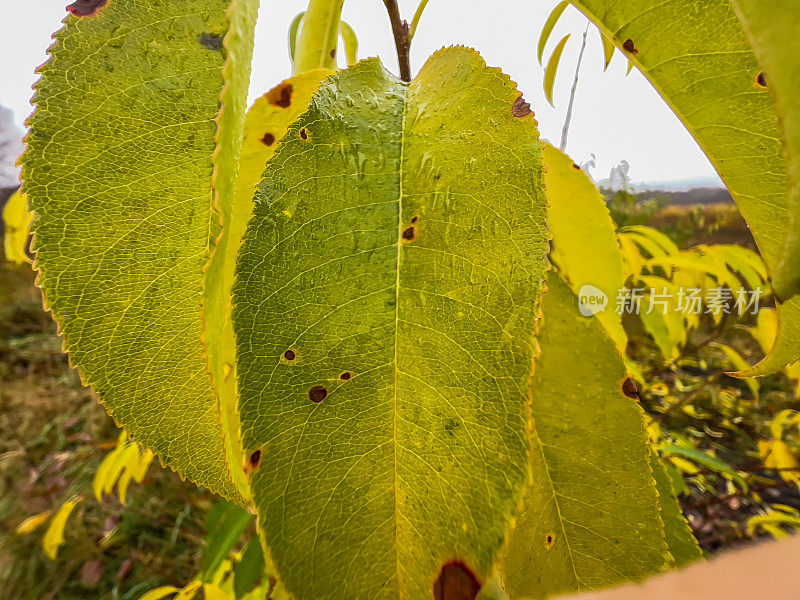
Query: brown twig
x,y
400,32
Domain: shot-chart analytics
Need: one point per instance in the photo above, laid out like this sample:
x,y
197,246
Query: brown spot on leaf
x,y
761,79
410,234
345,376
576,166
456,582
629,47
549,540
289,355
629,389
304,133
318,393
268,139
281,96
520,108
212,41
414,219
86,8
251,462
333,53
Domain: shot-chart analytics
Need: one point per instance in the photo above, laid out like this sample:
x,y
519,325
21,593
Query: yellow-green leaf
x,y
16,220
138,113
350,40
385,307
590,517
679,537
552,68
549,24
584,249
160,593
772,30
700,59
33,522
54,536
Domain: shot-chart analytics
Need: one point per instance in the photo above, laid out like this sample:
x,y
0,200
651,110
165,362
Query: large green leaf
x,y
590,517
698,56
134,122
384,308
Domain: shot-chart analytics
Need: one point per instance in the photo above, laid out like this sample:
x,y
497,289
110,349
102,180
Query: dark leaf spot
x,y
345,376
255,458
414,219
333,53
629,47
86,8
212,41
281,96
289,355
409,234
304,133
549,540
268,139
629,389
761,79
456,582
575,166
318,393
251,462
521,108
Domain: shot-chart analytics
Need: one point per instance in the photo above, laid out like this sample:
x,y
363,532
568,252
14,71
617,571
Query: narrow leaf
x,y
385,318
160,593
250,569
32,523
294,28
549,25
552,69
350,42
221,540
608,50
54,536
590,517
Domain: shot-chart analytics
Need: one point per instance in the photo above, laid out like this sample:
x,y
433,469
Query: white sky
x,y
615,117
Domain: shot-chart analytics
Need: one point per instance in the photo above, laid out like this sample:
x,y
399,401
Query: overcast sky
x,y
615,117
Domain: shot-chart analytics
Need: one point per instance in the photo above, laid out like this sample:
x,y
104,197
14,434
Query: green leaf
x,y
294,29
319,36
590,517
250,569
681,541
16,219
552,68
741,364
549,25
608,50
350,42
706,460
597,262
135,102
227,531
699,58
385,310
773,34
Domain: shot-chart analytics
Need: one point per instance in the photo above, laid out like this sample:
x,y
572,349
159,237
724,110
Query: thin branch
x,y
568,119
401,39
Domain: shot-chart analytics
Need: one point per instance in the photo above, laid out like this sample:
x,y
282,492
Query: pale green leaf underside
x,y
699,58
420,456
590,518
119,175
